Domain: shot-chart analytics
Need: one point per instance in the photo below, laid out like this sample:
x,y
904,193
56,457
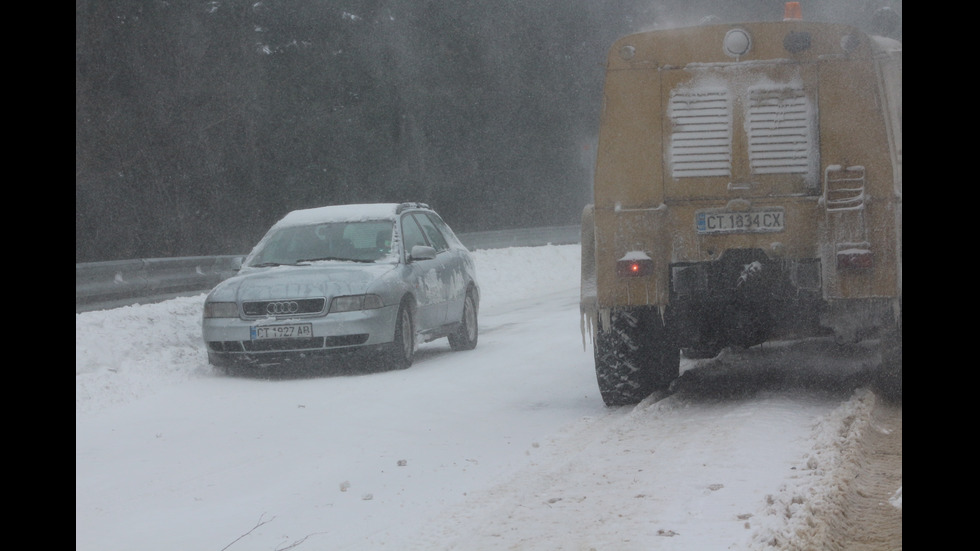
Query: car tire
x,y
402,350
222,365
466,336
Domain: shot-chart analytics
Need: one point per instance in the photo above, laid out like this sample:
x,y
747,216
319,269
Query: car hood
x,y
323,279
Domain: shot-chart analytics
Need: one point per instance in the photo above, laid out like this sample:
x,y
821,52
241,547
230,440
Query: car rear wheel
x,y
402,350
465,337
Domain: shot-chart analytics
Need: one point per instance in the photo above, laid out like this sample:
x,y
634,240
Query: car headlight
x,y
220,310
352,303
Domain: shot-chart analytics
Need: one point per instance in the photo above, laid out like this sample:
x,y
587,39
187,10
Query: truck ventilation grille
x,y
779,131
701,141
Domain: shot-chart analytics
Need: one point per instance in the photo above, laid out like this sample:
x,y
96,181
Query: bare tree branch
x,y
298,542
257,524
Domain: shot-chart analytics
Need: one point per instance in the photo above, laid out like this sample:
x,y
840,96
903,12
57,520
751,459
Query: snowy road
x,y
504,447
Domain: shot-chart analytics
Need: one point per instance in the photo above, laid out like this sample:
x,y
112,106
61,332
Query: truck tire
x,y
634,356
888,379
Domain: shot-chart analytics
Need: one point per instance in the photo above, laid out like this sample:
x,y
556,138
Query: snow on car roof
x,y
340,213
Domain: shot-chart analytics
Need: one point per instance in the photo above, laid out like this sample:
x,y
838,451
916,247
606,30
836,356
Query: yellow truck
x,y
748,187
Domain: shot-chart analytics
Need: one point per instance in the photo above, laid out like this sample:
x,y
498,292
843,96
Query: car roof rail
x,y
411,205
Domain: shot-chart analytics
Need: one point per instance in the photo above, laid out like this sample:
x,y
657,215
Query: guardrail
x,y
112,284
101,285
525,237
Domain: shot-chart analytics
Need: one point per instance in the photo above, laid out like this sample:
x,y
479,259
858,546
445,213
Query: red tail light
x,y
792,12
854,259
637,267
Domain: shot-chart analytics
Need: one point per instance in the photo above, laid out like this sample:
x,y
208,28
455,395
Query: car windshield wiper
x,y
265,265
332,258
318,259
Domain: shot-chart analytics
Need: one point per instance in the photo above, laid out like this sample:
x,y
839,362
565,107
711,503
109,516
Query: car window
x,y
285,246
368,239
411,234
444,228
436,238
363,241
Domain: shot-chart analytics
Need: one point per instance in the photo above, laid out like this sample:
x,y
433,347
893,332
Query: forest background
x,y
199,123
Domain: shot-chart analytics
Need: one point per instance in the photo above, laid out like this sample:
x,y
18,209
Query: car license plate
x,y
752,221
291,331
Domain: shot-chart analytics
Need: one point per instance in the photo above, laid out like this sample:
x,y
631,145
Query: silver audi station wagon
x,y
373,279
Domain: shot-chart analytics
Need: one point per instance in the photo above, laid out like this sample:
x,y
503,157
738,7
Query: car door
x,y
449,269
423,277
452,266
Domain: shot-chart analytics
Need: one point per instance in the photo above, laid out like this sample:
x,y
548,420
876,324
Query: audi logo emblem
x,y
282,307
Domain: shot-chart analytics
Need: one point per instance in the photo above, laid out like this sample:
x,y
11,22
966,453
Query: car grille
x,y
347,340
283,345
276,345
299,307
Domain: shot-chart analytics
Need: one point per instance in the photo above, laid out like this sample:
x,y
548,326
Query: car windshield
x,y
362,241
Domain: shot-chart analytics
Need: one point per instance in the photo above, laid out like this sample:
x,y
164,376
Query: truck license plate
x,y
753,221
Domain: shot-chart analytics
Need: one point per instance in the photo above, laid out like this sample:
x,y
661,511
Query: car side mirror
x,y
422,252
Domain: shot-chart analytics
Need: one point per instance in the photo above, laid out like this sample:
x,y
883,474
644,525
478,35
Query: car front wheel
x,y
402,350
